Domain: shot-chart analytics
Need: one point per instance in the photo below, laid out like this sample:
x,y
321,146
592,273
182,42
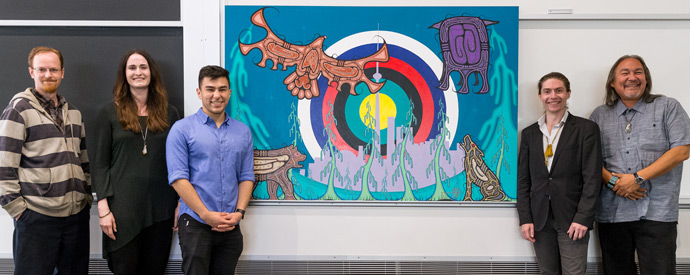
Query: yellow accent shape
x,y
386,108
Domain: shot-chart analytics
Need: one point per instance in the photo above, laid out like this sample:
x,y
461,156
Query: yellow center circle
x,y
367,110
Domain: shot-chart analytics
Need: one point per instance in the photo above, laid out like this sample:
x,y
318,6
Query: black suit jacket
x,y
572,187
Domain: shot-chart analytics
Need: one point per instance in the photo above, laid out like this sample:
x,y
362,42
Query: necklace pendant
x,y
628,128
144,151
549,151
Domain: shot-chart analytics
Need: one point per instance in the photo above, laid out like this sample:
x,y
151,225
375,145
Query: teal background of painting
x,y
261,100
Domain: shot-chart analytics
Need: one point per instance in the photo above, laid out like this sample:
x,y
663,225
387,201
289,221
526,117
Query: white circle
x,y
392,38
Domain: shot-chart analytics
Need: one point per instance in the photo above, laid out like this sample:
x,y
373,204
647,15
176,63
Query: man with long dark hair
x,y
644,138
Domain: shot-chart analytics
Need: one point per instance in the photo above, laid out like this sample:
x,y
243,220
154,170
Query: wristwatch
x,y
241,211
638,179
612,182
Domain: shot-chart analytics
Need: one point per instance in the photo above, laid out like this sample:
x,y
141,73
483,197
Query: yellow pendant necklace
x,y
549,151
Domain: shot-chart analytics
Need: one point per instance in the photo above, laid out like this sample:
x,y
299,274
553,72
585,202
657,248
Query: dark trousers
x,y
654,241
557,253
205,251
44,244
147,253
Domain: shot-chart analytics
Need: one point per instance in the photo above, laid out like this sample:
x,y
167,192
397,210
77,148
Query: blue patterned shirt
x,y
656,128
214,160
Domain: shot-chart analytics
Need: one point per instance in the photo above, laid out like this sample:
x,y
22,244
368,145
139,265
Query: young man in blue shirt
x,y
211,166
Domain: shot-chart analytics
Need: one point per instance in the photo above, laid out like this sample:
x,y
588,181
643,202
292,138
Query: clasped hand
x,y
627,188
222,221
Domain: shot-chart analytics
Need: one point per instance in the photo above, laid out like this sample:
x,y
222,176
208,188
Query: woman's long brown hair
x,y
156,102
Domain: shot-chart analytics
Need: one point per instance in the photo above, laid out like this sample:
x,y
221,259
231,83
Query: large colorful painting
x,y
377,103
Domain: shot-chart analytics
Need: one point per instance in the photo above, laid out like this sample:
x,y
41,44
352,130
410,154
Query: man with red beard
x,y
44,173
644,140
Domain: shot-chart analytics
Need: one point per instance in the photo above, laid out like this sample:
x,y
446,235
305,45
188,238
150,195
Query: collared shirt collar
x,y
542,119
640,107
205,119
45,102
49,106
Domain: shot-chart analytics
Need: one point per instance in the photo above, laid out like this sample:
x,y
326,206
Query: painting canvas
x,y
377,103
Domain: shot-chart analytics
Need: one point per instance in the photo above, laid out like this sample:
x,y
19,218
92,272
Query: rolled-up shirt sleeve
x,y
177,154
247,169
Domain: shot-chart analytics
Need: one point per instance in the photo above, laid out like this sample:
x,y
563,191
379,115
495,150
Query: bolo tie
x,y
549,148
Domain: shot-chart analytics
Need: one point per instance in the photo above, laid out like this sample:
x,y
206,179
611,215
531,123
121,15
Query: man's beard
x,y
50,87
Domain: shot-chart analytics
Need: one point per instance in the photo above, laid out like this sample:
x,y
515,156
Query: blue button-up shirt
x,y
656,127
213,159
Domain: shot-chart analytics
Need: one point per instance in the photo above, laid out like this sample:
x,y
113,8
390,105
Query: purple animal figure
x,y
272,166
465,47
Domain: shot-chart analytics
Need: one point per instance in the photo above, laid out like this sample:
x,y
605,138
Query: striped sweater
x,y
42,167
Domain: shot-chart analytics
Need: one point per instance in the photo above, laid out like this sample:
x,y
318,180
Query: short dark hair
x,y
213,72
611,95
42,49
554,75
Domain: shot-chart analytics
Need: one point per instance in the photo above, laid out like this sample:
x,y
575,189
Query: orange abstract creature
x,y
310,62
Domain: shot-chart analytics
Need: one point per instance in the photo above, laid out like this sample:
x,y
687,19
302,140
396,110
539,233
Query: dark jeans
x,y
44,244
655,243
205,251
147,253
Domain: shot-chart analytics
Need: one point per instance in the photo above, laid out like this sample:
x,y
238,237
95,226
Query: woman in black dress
x,y
136,206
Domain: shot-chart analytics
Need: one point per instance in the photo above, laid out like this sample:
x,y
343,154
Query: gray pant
x,y
559,254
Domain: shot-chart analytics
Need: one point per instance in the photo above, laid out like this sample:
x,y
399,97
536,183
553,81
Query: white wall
x,y
398,233
583,50
608,8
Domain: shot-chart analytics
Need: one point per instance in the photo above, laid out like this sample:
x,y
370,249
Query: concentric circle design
x,y
411,76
